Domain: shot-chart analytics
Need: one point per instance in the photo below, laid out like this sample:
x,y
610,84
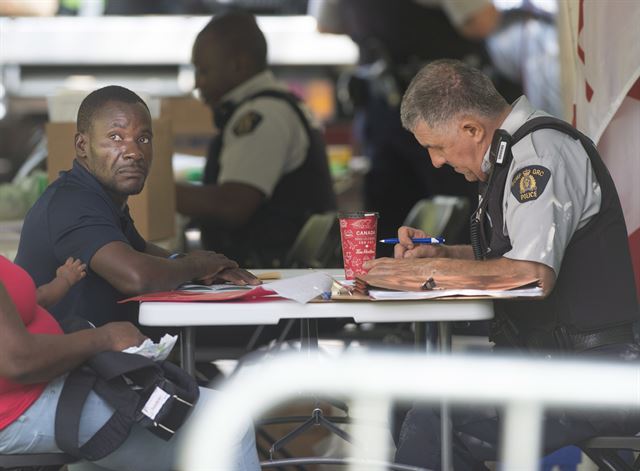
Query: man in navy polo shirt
x,y
84,214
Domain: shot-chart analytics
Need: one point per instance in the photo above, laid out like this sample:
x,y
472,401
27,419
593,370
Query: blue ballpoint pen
x,y
416,240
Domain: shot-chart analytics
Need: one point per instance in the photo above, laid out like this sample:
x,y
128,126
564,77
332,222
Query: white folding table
x,y
189,315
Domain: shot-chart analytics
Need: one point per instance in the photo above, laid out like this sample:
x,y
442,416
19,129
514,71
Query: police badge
x,y
247,123
528,183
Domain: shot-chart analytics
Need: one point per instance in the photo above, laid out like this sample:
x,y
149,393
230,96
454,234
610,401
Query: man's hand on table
x,y
211,263
236,276
220,269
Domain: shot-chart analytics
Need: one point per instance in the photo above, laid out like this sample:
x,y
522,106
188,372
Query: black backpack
x,y
157,395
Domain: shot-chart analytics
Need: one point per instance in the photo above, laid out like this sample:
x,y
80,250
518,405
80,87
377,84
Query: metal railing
x,y
523,387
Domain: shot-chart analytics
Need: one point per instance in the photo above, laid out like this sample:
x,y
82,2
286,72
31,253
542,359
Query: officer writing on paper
x,y
267,169
548,209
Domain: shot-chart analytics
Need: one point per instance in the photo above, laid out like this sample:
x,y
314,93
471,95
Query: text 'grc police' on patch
x,y
528,183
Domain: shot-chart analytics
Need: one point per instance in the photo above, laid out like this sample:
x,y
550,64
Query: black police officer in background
x,y
267,168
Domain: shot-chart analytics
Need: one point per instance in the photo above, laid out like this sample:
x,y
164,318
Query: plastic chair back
x,y
439,216
317,244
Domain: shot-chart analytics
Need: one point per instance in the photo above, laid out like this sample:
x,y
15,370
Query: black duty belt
x,y
561,339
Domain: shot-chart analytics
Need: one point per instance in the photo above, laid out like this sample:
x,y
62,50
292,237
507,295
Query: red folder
x,y
188,296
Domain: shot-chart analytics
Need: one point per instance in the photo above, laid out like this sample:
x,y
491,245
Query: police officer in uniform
x,y
267,169
549,210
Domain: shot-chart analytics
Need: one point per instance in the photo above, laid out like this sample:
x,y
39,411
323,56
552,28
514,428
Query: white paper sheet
x,y
303,288
441,293
156,351
298,288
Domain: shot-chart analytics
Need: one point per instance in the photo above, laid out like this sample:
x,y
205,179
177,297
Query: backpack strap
x,y
112,434
104,374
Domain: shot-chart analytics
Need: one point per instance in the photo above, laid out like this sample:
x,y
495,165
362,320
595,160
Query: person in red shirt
x,y
35,356
32,348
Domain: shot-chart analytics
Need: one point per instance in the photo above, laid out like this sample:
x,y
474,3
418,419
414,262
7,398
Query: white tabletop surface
x,y
270,312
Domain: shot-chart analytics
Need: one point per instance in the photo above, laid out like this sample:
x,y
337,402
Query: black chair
x,y
603,451
35,462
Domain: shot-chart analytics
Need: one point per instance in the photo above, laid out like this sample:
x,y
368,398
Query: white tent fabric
x,y
602,61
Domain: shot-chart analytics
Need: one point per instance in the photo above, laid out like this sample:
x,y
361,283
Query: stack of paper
x,y
405,286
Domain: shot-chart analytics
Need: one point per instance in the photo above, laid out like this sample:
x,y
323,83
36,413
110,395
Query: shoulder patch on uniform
x,y
247,123
529,183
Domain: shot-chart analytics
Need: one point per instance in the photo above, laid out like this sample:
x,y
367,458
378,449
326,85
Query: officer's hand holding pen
x,y
406,248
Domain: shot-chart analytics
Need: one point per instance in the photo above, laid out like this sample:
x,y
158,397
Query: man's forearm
x,y
499,266
156,251
464,252
229,205
132,272
202,201
432,267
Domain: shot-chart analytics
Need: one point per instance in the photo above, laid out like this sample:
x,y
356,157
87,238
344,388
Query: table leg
x,y
309,335
426,336
444,337
188,350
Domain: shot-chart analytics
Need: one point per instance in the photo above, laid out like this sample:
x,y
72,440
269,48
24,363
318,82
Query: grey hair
x,y
445,89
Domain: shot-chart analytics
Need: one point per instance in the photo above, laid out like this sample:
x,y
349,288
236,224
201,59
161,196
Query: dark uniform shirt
x,y
75,218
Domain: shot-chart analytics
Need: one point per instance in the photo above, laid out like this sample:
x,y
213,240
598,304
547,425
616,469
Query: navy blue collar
x,y
80,174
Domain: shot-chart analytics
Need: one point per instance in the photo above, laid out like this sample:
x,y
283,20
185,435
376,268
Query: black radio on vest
x,y
500,156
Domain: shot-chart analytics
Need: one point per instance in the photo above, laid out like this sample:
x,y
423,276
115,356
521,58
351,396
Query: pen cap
x,y
358,233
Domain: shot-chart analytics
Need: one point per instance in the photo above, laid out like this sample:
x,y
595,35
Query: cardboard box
x,y
191,124
153,210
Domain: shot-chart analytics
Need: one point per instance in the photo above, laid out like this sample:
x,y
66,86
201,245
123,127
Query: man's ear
x,y
81,145
473,129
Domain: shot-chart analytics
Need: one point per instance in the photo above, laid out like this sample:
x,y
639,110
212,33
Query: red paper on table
x,y
188,296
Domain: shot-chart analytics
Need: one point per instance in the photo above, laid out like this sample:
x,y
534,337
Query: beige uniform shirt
x,y
265,138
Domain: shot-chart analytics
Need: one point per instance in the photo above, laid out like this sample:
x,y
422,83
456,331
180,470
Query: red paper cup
x,y
358,231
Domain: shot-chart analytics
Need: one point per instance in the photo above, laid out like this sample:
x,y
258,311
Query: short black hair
x,y
241,34
98,98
